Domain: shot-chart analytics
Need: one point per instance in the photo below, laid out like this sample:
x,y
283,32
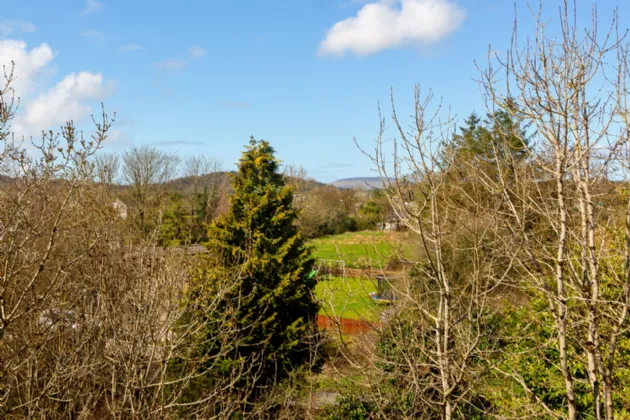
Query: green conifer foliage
x,y
257,240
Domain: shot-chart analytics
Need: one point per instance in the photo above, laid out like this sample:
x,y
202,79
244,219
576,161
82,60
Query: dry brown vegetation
x,y
92,316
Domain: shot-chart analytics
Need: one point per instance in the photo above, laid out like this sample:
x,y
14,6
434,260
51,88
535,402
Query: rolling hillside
x,y
362,183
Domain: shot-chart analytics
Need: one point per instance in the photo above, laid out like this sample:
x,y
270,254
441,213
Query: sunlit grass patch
x,y
361,249
347,298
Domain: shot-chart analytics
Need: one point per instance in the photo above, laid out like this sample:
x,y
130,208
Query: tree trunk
x,y
561,308
608,398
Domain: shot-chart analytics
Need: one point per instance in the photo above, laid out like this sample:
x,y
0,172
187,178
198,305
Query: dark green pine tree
x,y
479,142
473,138
273,304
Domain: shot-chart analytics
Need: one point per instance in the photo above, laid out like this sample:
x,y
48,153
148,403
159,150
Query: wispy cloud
x,y
92,6
119,139
235,105
196,52
95,37
129,48
171,64
9,26
174,64
386,24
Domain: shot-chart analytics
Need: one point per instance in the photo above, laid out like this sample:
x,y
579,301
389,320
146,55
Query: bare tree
x,y
440,317
298,178
145,169
196,166
570,88
107,168
209,182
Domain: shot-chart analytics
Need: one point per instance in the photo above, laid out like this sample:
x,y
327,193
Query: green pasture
x,y
361,249
347,298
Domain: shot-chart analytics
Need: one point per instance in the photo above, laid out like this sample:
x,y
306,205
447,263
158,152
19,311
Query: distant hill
x,y
184,184
364,183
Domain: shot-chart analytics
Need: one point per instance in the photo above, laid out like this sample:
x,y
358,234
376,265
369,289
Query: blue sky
x,y
193,76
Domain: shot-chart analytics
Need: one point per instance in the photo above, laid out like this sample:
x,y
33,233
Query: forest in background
x,y
183,196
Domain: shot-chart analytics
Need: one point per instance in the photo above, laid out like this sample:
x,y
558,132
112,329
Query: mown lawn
x,y
361,249
347,298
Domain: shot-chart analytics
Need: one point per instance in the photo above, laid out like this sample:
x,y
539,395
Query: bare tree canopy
x,y
107,168
146,169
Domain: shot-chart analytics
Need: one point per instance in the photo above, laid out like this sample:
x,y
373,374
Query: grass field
x,y
347,298
361,249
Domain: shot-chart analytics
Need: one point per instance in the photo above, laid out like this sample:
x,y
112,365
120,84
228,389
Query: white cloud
x,y
92,6
40,109
196,52
393,23
171,64
68,100
8,26
128,48
29,64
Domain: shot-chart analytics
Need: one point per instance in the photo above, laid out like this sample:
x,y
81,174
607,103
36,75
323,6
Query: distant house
x,y
393,220
120,208
389,226
393,223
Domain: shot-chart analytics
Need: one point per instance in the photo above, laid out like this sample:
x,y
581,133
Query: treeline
x,y
184,196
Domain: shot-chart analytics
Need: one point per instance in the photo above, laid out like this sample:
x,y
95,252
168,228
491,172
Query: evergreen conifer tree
x,y
272,305
478,143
